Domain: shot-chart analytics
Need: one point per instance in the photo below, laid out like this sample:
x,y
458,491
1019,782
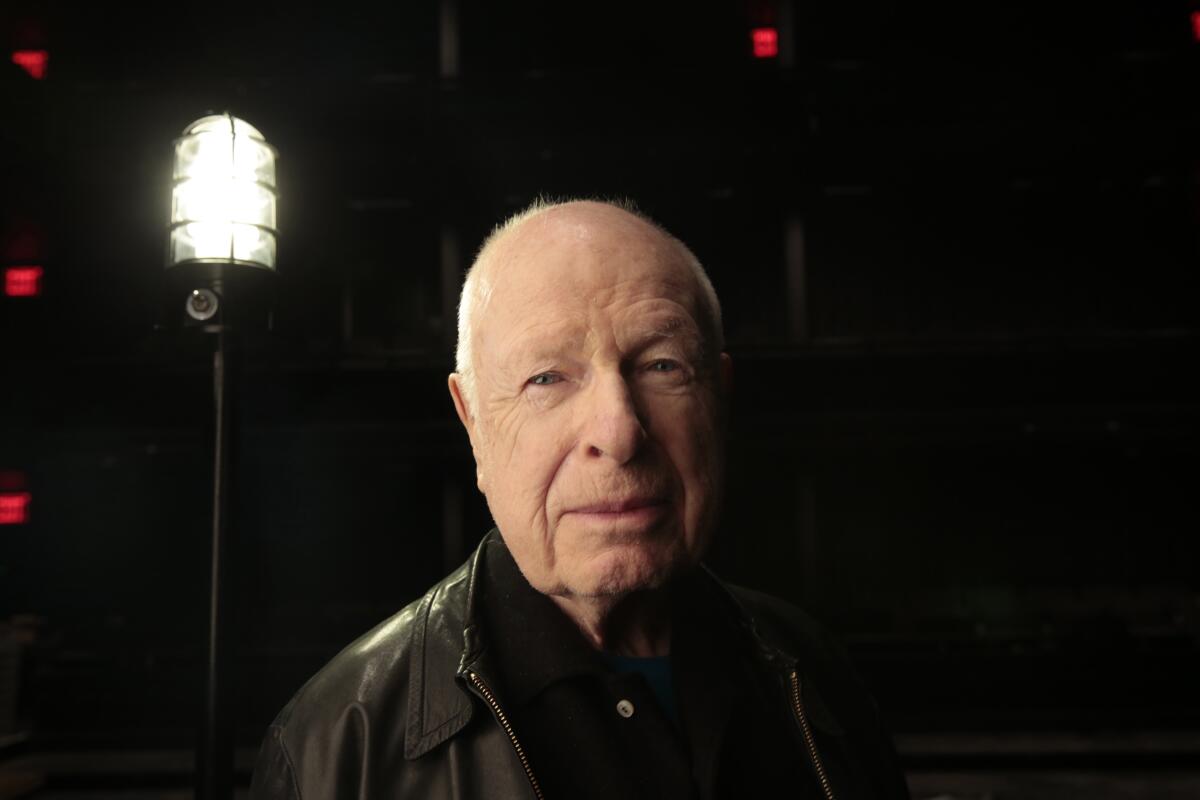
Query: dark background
x,y
956,247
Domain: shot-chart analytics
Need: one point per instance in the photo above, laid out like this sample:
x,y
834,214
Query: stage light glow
x,y
765,42
223,241
24,281
32,61
1196,25
223,202
14,508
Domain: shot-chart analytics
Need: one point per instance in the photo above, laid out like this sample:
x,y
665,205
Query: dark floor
x,y
1010,766
1014,785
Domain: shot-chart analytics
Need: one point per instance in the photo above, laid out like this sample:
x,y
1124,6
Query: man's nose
x,y
613,427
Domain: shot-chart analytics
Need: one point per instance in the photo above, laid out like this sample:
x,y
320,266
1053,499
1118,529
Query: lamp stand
x,y
215,756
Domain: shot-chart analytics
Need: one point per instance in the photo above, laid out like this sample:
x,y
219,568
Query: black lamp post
x,y
222,239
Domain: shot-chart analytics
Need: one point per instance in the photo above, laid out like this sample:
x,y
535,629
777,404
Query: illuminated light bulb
x,y
223,201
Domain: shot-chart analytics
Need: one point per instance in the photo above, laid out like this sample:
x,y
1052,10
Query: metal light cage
x,y
223,197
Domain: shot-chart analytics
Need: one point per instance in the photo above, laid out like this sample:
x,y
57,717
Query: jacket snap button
x,y
625,708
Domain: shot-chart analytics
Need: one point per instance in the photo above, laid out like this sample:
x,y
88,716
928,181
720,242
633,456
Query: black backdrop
x,y
956,249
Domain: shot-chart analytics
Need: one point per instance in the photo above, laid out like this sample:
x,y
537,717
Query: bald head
x,y
592,386
582,234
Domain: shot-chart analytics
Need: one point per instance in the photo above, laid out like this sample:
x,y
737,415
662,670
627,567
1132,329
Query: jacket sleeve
x,y
274,778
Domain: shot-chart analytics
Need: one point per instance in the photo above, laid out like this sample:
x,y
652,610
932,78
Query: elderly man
x,y
583,651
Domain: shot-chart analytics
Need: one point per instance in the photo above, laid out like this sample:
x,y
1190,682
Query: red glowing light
x,y
14,508
23,281
32,61
765,42
1196,25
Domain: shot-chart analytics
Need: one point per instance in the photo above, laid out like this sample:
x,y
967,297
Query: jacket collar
x,y
448,632
776,657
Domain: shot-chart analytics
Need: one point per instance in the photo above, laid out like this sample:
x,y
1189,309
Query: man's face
x,y
596,432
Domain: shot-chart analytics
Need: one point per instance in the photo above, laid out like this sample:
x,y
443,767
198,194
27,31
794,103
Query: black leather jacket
x,y
407,711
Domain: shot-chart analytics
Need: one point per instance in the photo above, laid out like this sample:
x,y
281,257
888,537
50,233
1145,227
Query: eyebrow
x,y
670,328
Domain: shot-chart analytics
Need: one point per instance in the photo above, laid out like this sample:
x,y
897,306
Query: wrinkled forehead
x,y
586,260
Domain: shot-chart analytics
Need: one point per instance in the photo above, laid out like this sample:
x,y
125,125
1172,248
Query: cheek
x,y
696,453
533,464
688,431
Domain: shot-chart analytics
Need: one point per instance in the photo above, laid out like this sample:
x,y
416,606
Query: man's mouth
x,y
631,508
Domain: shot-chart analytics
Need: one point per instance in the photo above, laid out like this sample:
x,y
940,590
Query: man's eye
x,y
662,365
544,379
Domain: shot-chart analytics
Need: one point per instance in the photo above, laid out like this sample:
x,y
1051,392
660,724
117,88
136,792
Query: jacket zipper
x,y
502,718
798,707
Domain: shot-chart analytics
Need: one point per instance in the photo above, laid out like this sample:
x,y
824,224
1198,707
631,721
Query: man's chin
x,y
616,574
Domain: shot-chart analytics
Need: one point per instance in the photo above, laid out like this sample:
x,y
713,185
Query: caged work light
x,y
223,197
222,248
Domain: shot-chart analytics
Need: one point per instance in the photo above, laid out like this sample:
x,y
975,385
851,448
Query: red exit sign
x,y
24,281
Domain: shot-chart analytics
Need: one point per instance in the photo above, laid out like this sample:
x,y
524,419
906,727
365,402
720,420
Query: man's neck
x,y
637,625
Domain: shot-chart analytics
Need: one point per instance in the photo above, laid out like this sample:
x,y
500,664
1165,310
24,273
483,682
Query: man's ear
x,y
468,420
454,382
